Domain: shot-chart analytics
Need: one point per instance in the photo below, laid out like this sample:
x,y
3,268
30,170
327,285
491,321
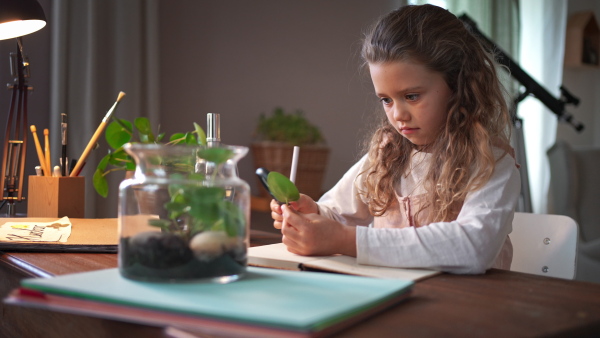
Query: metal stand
x,y
518,143
15,136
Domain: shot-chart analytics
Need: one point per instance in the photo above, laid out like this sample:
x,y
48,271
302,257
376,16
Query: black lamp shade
x,y
20,17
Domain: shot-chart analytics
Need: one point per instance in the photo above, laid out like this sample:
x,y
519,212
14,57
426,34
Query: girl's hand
x,y
315,235
304,205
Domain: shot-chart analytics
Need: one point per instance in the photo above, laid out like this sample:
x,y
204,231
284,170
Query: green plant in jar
x,y
120,132
201,208
203,219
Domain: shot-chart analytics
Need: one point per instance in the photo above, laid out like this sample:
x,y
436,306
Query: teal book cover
x,y
291,300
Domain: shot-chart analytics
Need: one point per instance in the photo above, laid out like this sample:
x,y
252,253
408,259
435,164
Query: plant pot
x,y
178,224
277,156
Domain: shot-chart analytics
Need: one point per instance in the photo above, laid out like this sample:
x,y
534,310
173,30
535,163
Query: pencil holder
x,y
56,197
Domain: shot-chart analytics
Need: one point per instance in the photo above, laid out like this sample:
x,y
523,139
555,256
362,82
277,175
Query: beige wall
x,y
242,58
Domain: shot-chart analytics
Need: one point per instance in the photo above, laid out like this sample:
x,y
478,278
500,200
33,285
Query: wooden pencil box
x,y
56,197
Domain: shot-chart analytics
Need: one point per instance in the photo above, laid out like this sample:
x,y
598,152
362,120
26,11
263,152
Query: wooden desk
x,y
499,303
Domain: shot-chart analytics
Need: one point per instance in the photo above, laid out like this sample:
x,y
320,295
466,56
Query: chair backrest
x,y
544,245
574,189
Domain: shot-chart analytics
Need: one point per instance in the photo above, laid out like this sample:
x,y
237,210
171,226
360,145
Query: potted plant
x,y
277,134
121,131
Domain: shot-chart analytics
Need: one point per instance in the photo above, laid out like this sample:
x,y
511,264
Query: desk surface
x,y
499,303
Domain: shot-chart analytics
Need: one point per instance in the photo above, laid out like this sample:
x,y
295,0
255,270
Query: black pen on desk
x,y
63,134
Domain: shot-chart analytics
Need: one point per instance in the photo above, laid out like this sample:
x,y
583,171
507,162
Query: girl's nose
x,y
401,113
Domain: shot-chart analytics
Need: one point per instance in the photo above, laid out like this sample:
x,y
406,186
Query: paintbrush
x,y
95,137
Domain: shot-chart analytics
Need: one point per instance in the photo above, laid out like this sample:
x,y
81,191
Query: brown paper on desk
x,y
27,231
87,235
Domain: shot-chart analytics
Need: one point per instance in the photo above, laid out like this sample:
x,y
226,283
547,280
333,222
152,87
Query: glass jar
x,y
177,223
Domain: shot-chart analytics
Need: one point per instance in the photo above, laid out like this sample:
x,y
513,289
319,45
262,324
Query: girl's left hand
x,y
315,235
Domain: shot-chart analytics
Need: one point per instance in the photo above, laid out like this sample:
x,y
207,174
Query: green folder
x,y
291,300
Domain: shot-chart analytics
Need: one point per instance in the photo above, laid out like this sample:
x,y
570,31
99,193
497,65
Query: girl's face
x,y
415,99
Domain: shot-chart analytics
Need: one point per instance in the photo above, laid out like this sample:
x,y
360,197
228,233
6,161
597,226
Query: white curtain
x,y
543,26
498,20
99,48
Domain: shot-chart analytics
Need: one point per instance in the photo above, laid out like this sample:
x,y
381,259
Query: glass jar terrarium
x,y
179,221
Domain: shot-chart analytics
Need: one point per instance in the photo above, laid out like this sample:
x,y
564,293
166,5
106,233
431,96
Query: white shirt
x,y
476,241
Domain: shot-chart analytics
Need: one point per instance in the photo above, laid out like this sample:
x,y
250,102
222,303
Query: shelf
x,y
582,45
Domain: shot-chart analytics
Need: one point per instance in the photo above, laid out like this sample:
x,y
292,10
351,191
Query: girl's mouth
x,y
407,130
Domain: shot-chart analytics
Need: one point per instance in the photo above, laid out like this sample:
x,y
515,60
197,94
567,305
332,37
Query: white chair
x,y
544,245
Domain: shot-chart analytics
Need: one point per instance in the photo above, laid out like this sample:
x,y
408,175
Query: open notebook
x,y
265,302
277,256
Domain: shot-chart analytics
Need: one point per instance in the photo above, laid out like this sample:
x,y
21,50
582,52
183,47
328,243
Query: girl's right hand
x,y
305,205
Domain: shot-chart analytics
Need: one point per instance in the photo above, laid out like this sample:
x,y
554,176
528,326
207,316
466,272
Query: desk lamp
x,y
17,18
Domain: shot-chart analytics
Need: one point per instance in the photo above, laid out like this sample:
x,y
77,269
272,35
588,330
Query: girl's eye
x,y
412,97
386,101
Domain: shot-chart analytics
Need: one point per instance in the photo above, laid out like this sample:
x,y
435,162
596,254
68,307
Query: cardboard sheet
x,y
87,235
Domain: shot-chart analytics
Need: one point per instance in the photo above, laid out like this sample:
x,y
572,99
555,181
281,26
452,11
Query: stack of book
x,y
265,302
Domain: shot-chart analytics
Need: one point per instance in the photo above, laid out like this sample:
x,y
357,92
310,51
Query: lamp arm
x,y
15,136
557,106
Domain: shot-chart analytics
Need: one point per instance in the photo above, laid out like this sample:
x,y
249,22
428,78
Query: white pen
x,y
294,164
56,172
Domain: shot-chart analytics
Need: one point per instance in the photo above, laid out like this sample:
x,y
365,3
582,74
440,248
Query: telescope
x,y
556,105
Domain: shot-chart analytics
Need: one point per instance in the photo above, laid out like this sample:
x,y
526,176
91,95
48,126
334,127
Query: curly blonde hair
x,y
478,117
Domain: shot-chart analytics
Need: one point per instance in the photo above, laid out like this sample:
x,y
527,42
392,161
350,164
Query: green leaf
x,y
190,138
100,183
104,162
216,155
118,157
176,209
282,188
196,176
143,125
144,138
233,217
130,166
161,223
208,213
175,189
201,135
118,133
204,203
177,138
203,195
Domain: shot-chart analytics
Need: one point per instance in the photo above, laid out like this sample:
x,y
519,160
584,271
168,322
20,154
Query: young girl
x,y
438,186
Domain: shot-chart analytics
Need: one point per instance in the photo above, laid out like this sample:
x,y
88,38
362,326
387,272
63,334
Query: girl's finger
x,y
275,207
292,217
290,243
289,230
276,216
